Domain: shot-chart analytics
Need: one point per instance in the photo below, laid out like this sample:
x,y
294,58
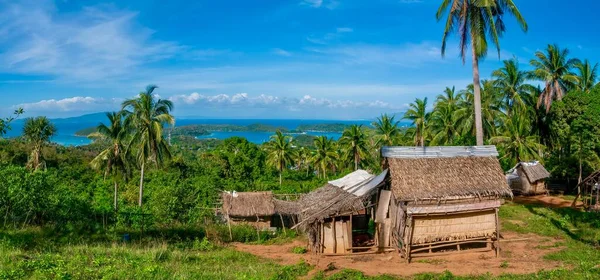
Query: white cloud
x,y
281,52
313,3
328,4
408,55
344,29
71,104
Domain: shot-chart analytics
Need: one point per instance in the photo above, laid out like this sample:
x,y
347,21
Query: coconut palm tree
x,y
492,114
280,152
37,131
112,159
476,22
5,122
450,98
325,155
442,125
417,113
386,129
586,76
517,141
512,83
354,144
554,69
304,159
147,116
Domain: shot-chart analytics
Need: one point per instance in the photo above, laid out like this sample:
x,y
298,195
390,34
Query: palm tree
x,y
304,159
518,142
280,153
5,123
449,98
37,131
354,144
419,116
442,125
113,159
476,21
147,116
554,69
325,155
586,78
387,130
492,114
511,81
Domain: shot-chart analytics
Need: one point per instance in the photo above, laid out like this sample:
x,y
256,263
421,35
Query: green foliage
x,y
299,250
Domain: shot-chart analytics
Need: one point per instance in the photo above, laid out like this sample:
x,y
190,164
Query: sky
x,y
307,59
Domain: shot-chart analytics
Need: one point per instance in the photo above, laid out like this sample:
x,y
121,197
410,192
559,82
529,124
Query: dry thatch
x,y
248,204
445,177
535,171
284,207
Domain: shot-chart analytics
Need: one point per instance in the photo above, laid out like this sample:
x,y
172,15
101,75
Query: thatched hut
x,y
442,198
336,216
254,208
528,178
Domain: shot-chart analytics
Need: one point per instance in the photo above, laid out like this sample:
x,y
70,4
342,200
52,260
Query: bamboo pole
x,y
282,224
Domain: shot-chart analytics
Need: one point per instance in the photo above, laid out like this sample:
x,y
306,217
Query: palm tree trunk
x,y
280,178
141,185
116,188
356,159
477,96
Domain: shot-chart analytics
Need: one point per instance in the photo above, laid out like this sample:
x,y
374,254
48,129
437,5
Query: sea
x,y
66,128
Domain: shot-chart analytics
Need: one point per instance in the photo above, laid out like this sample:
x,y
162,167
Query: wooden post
x,y
334,236
229,226
410,236
497,234
282,224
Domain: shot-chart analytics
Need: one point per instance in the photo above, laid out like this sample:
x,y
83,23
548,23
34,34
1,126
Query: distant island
x,y
205,129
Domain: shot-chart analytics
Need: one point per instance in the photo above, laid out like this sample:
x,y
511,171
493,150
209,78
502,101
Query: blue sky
x,y
329,59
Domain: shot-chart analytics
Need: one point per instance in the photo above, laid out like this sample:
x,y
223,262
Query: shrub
x,y
299,250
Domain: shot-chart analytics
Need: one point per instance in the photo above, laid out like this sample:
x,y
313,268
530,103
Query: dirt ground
x,y
519,254
550,201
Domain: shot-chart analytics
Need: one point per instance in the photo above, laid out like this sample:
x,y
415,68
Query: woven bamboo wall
x,y
453,227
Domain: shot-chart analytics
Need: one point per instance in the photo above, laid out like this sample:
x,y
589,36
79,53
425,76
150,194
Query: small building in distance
x,y
253,208
528,178
442,200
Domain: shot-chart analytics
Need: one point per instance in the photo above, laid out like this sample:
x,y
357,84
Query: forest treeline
x,y
131,168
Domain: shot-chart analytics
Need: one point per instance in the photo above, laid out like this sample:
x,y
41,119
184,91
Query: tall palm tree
x,y
419,116
442,125
512,83
280,152
492,114
147,117
354,143
37,131
586,76
554,69
517,141
304,159
325,155
450,98
387,130
113,159
476,21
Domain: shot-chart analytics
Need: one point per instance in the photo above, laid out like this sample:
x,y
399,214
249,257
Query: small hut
x,y
589,190
441,199
336,216
253,208
528,178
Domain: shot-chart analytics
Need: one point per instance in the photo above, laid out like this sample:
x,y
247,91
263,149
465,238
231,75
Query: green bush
x,y
299,250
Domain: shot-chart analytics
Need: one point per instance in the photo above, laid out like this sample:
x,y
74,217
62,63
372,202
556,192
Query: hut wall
x,y
452,227
336,236
525,186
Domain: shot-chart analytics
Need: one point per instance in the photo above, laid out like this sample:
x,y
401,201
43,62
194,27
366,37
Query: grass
x,y
41,254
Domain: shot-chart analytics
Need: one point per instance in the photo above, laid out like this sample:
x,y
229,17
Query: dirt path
x,y
550,201
524,256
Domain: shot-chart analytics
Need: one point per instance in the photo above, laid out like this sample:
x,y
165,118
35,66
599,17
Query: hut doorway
x,y
347,235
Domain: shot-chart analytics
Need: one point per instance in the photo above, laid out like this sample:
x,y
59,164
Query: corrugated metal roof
x,y
439,151
359,182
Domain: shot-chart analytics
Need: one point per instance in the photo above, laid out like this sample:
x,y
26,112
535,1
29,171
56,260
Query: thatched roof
x,y
533,170
248,204
445,172
284,207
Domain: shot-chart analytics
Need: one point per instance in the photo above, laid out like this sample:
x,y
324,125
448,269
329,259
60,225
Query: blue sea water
x,y
66,128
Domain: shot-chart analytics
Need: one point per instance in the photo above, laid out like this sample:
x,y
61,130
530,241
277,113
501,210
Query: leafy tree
x,y
280,152
5,123
325,155
442,124
586,76
512,83
449,99
492,110
354,144
304,155
476,22
554,69
517,141
386,129
113,160
419,116
147,117
37,131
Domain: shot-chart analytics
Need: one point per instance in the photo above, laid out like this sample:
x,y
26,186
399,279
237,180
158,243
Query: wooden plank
x,y
448,253
340,247
497,235
452,208
328,240
382,207
348,236
387,228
